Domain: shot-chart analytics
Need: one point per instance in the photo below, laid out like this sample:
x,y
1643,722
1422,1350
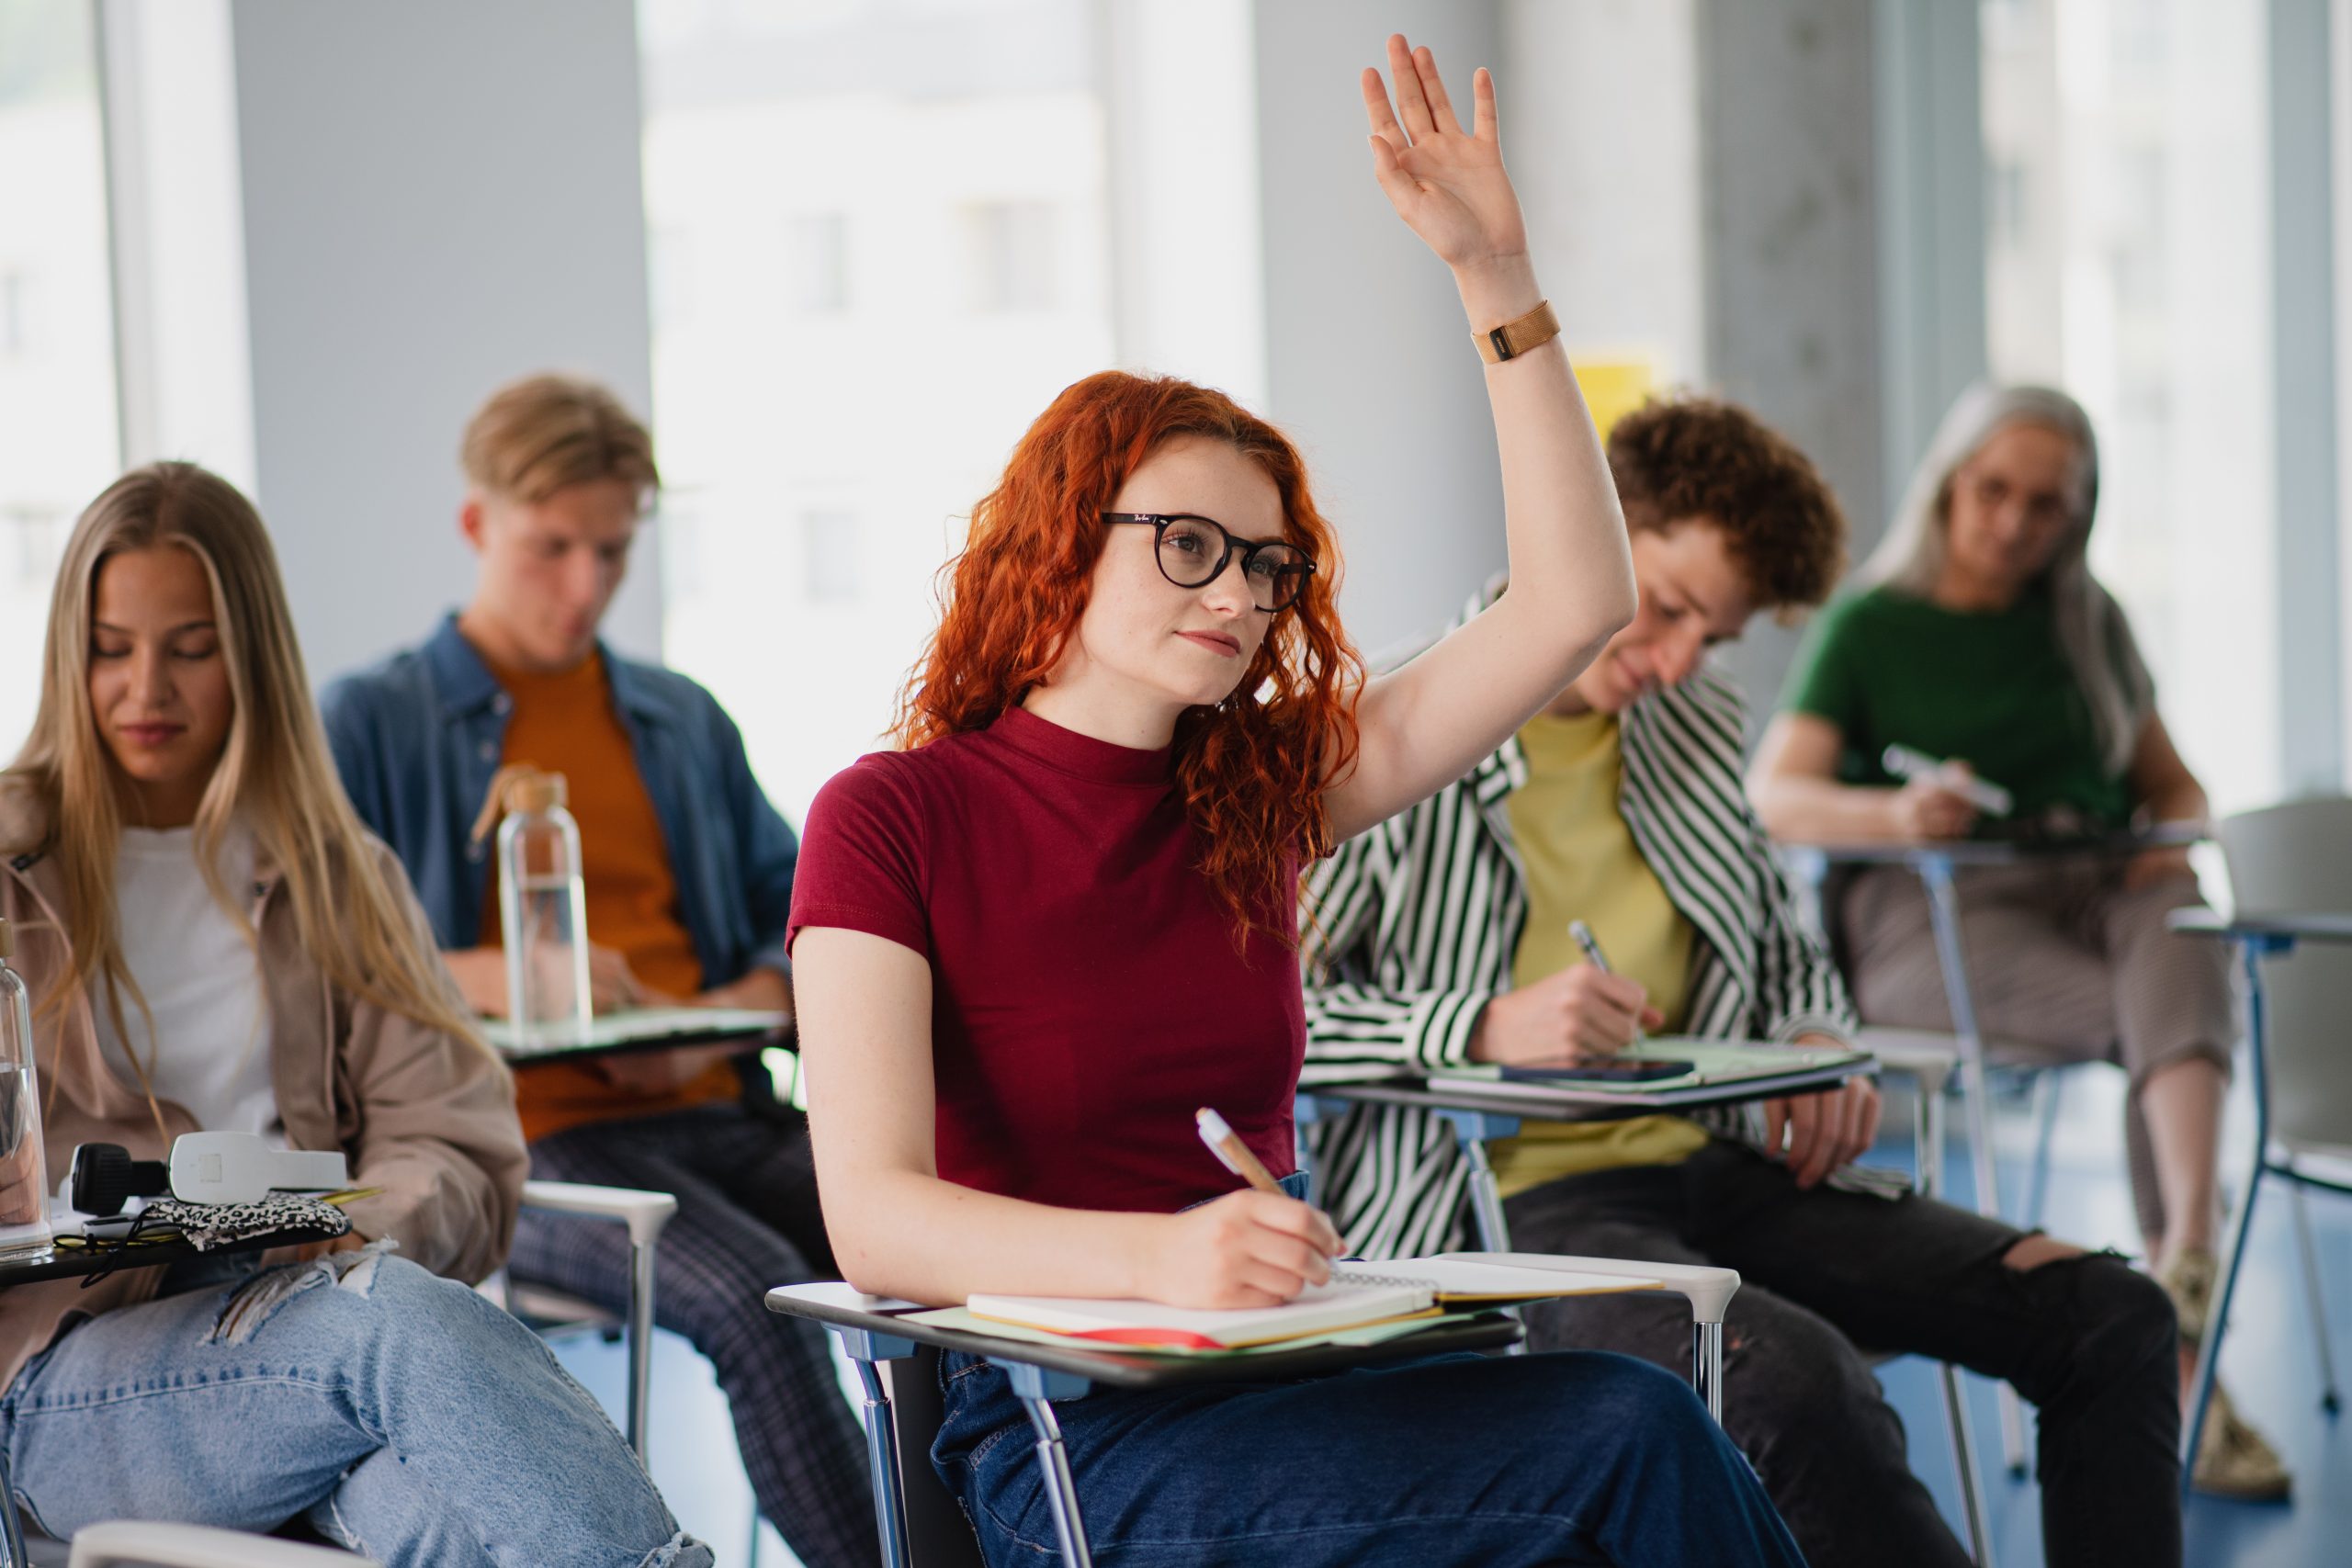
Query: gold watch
x,y
1512,339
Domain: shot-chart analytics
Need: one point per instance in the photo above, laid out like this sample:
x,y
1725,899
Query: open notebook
x,y
1359,1294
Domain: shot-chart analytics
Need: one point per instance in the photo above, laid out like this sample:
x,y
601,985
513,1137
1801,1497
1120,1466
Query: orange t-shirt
x,y
567,724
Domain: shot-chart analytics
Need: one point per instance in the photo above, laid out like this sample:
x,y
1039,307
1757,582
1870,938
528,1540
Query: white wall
x,y
1793,252
1370,365
1602,125
438,196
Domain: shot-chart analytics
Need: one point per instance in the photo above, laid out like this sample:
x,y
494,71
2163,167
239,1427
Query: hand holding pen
x,y
1938,799
1249,1249
1584,1013
1582,934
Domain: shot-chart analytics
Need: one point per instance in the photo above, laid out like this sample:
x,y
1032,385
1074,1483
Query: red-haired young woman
x,y
1033,941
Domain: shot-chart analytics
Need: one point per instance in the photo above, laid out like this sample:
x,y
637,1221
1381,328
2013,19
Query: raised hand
x,y
1447,183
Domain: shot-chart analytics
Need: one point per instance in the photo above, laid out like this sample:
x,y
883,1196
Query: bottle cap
x,y
518,786
7,940
536,792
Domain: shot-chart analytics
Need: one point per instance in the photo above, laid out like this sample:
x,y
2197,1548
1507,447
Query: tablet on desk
x,y
1700,1066
640,1027
1613,1070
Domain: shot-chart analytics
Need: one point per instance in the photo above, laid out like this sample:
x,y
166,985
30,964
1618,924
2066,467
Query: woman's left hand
x,y
1447,183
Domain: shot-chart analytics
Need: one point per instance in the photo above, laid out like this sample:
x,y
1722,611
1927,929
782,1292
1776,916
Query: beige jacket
x,y
427,1117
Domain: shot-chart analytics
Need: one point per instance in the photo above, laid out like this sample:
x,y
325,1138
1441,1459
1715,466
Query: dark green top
x,y
1992,688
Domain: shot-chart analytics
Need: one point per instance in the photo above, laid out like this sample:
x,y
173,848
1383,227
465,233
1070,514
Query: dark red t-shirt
x,y
1087,993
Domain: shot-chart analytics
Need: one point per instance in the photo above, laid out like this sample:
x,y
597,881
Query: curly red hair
x,y
1251,769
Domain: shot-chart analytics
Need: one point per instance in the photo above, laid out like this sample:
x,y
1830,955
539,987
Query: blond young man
x,y
689,880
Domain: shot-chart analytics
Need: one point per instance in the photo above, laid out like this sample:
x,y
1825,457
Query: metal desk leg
x,y
2251,952
12,1531
1943,910
1928,1134
1972,1485
864,1348
640,1346
1037,1388
2329,1400
1707,1365
1471,1131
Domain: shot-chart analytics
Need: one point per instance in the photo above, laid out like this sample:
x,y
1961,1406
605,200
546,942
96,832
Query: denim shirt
x,y
417,738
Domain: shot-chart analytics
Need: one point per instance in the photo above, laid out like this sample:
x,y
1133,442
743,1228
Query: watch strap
x,y
1514,338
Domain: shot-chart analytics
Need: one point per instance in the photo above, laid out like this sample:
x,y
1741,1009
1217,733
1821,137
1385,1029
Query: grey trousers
x,y
2063,960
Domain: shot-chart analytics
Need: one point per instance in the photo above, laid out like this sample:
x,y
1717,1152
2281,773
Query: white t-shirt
x,y
202,981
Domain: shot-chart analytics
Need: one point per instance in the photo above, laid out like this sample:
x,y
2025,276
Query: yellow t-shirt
x,y
1582,864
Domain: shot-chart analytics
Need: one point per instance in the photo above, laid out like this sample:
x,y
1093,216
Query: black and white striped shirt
x,y
1410,929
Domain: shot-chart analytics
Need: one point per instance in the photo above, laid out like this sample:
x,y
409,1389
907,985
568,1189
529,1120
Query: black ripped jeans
x,y
1831,1277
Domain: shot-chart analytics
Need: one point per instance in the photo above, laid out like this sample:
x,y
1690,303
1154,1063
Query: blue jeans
x,y
1575,1457
398,1413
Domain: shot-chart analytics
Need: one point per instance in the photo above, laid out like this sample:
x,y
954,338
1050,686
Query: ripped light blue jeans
x,y
398,1413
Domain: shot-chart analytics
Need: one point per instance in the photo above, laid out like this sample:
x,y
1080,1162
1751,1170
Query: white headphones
x,y
240,1168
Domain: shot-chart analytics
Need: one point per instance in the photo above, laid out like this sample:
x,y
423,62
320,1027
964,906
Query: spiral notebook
x,y
1359,1294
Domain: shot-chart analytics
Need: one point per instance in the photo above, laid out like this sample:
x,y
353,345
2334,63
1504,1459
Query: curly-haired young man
x,y
1441,937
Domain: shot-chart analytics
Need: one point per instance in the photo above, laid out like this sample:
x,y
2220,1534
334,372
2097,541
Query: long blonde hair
x,y
274,776
2092,629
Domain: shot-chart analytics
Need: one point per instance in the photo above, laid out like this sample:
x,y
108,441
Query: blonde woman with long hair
x,y
1978,634
214,942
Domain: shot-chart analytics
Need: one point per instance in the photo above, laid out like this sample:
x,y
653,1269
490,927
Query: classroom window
x,y
816,262
60,444
829,557
1009,250
858,362
2139,130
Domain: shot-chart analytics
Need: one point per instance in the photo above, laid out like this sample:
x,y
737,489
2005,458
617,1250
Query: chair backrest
x,y
938,1536
2296,859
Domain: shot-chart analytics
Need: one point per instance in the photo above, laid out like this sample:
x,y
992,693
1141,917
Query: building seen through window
x,y
59,442
871,273
2128,262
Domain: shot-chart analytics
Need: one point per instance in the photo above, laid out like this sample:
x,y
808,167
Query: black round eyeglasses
x,y
1193,550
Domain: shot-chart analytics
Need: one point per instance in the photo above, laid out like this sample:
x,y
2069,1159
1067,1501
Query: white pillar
x,y
1370,365
436,197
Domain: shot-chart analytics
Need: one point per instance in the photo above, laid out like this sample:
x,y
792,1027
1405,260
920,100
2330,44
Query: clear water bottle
x,y
24,1167
543,907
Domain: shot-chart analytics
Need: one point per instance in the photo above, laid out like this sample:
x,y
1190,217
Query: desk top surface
x,y
1564,1102
838,1304
647,1029
72,1263
2318,925
2004,851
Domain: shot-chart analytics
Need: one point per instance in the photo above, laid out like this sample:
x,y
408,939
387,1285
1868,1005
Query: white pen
x,y
1986,796
1232,1152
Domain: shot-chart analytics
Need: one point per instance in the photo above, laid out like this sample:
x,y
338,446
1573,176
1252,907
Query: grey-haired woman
x,y
1976,635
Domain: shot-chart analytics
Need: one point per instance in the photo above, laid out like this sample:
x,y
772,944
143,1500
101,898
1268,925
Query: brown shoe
x,y
2190,1280
2234,1460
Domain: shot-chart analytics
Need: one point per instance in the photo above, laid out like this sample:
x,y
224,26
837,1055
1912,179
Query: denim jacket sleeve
x,y
771,849
349,740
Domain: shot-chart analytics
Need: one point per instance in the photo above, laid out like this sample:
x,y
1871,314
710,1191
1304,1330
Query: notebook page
x,y
1338,1304
1455,1282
